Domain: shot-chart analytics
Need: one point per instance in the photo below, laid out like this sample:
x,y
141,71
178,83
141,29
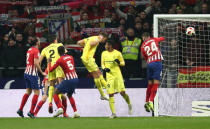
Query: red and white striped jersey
x,y
31,69
150,50
66,62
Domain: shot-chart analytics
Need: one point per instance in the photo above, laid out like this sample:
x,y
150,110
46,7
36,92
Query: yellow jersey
x,y
107,61
89,51
51,51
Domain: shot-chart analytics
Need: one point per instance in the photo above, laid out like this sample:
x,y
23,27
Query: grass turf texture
x,y
106,123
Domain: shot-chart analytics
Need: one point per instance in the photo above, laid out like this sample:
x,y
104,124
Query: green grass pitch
x,y
106,123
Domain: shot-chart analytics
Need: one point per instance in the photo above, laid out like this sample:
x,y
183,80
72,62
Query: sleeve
x,y
43,53
159,39
143,53
36,54
102,61
120,58
57,63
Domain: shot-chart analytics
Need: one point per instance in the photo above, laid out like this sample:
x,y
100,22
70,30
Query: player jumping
x,y
90,44
31,77
152,54
70,82
111,59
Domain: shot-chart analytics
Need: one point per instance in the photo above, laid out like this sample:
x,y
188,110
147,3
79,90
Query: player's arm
x,y
46,84
160,39
51,68
103,64
94,42
81,42
36,63
143,53
120,58
42,57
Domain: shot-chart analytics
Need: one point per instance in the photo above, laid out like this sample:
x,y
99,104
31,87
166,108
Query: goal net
x,y
185,84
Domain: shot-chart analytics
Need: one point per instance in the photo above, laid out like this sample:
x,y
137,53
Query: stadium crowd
x,y
132,19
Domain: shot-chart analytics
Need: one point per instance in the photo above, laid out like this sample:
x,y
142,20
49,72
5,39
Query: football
x,y
190,31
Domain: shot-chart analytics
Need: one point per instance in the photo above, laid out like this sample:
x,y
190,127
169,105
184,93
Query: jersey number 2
x,y
52,52
153,48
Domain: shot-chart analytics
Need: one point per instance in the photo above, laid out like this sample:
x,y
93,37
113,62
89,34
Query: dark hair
x,y
61,50
52,38
34,41
103,34
111,42
146,34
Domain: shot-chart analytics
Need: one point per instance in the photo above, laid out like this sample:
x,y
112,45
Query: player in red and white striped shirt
x,y
31,77
70,82
152,54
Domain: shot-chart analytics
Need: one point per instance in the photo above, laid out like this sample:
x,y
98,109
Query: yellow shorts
x,y
90,64
57,73
115,85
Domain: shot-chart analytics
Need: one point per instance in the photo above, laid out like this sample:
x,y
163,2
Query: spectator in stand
x,y
95,13
146,27
12,33
130,52
129,16
204,9
19,40
137,19
114,22
28,44
138,29
107,13
143,16
85,23
5,41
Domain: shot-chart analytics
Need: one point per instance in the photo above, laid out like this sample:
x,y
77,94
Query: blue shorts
x,y
68,86
42,89
31,81
154,70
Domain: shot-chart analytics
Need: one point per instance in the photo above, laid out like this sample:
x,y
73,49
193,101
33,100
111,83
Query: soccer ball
x,y
190,31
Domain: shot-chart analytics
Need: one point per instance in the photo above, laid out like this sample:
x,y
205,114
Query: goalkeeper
x,y
111,61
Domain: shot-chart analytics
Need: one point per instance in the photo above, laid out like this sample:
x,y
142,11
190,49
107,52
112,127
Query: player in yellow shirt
x,y
51,51
111,60
90,44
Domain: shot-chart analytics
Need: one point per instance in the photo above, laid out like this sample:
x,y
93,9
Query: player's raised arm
x,y
160,39
51,68
81,42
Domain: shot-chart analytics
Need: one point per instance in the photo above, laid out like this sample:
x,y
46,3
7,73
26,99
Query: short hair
x,y
111,42
103,34
146,34
61,50
52,38
34,41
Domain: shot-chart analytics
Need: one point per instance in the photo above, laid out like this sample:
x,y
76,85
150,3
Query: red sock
x,y
34,102
73,105
64,102
39,106
57,101
148,92
24,100
154,91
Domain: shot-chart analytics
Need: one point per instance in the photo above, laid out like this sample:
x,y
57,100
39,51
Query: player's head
x,y
61,50
35,41
53,39
104,37
109,44
145,36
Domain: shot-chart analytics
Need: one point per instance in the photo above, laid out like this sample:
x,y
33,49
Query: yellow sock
x,y
127,99
98,84
111,104
50,93
60,95
103,82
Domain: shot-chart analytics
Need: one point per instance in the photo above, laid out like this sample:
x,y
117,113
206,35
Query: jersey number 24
x,y
151,48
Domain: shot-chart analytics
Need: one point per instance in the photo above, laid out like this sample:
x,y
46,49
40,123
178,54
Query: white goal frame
x,y
155,34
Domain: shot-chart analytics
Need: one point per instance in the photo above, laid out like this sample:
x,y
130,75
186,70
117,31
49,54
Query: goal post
x,y
186,65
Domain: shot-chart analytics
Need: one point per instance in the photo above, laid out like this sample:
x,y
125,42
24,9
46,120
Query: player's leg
x,y
73,104
33,103
64,103
111,91
40,104
23,101
103,82
153,93
58,102
127,100
52,81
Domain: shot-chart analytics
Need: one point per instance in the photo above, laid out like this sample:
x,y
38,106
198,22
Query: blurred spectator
x,y
19,40
130,51
85,23
114,22
138,29
5,41
28,43
204,9
146,27
12,33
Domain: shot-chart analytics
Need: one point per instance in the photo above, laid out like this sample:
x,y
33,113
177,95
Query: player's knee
x,y
111,95
44,98
69,95
28,91
63,97
122,93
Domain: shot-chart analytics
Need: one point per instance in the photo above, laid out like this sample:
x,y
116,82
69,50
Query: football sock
x,y
24,100
111,104
39,106
99,86
153,92
148,92
60,96
103,82
57,101
34,102
127,99
51,90
64,103
73,104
